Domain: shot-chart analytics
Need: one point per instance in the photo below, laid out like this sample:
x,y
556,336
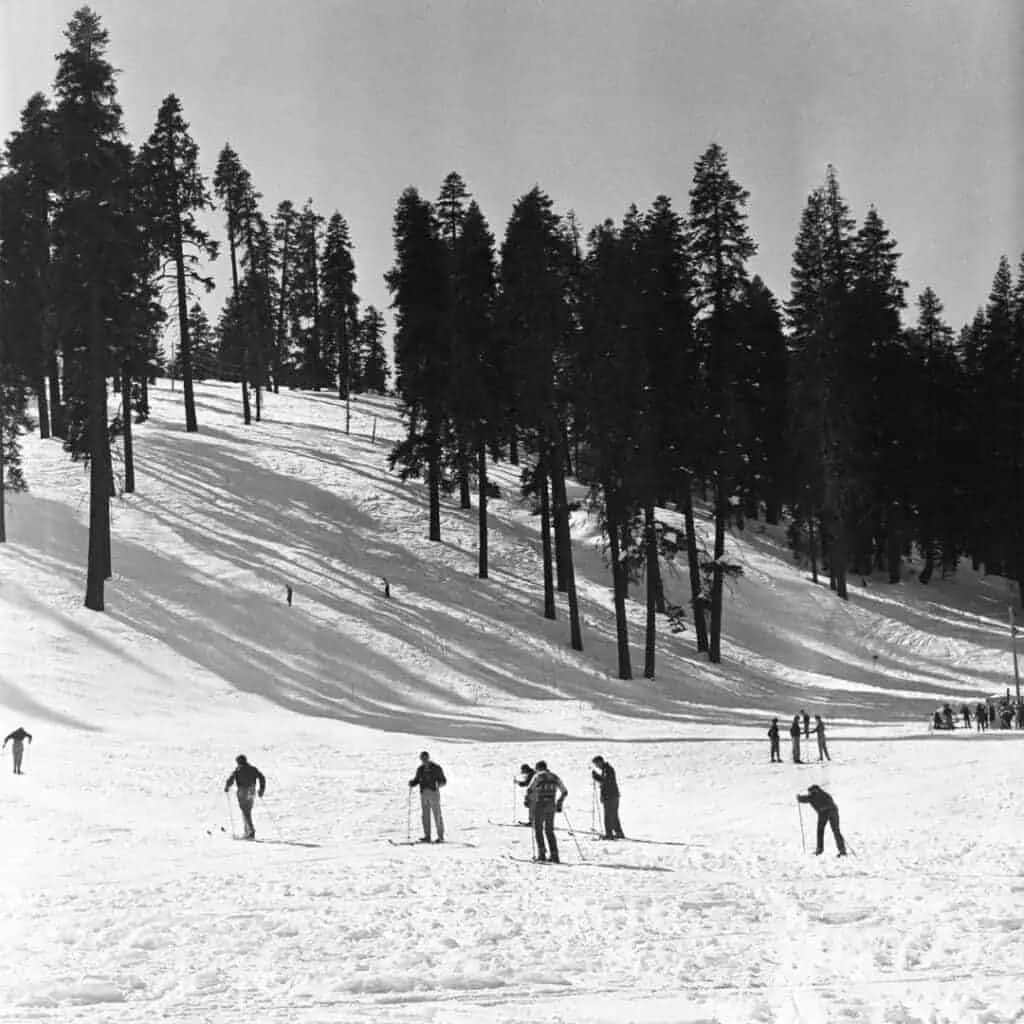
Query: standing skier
x,y
527,774
773,739
546,792
605,778
819,731
794,732
430,778
807,723
17,741
246,777
828,814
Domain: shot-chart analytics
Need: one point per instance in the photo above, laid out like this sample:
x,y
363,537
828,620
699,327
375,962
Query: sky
x,y
602,103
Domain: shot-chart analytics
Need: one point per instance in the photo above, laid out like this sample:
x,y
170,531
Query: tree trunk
x,y
3,471
693,561
43,407
465,500
126,418
812,547
564,538
653,576
282,306
481,473
513,449
57,425
545,541
434,484
191,425
717,577
99,476
620,584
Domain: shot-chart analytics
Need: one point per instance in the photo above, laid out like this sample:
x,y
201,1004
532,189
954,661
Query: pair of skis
x,y
420,842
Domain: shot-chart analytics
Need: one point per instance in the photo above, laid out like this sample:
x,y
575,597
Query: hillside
x,y
127,902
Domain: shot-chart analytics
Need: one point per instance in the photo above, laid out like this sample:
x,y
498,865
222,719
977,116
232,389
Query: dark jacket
x,y
606,780
818,799
794,729
546,788
773,732
428,776
245,776
19,736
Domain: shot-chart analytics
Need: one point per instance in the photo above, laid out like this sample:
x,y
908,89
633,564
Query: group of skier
x,y
986,716
801,724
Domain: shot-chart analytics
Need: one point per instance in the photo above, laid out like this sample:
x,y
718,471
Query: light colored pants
x,y
246,798
430,803
18,749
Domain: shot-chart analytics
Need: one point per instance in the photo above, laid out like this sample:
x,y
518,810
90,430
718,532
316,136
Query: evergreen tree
x,y
374,369
14,420
175,192
312,361
284,239
720,247
340,308
204,347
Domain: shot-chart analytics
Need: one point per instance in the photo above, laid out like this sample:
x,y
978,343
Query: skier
x,y
17,741
819,730
246,777
980,717
966,712
546,793
794,732
605,778
773,737
828,814
430,778
527,774
807,723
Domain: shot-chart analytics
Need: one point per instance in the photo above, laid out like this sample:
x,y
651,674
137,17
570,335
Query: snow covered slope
x,y
127,901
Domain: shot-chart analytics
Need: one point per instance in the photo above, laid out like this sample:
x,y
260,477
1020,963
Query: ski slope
x,y
127,900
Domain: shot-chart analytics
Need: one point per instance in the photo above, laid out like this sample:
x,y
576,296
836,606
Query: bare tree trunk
x,y
99,473
481,474
813,546
126,418
43,407
57,425
513,448
465,500
545,540
434,485
620,584
564,538
653,578
693,562
717,574
191,426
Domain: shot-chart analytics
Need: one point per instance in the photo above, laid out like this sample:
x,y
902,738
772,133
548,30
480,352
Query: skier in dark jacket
x,y
527,774
794,732
546,792
819,731
246,778
828,814
807,724
605,778
17,741
430,778
773,738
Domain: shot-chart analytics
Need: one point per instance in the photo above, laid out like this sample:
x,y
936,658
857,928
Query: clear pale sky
x,y
920,105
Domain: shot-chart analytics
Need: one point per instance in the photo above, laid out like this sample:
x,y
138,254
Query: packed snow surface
x,y
126,899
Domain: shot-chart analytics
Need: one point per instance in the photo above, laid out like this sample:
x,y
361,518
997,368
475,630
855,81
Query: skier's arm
x,y
441,780
29,735
230,782
597,776
803,798
563,793
262,781
416,778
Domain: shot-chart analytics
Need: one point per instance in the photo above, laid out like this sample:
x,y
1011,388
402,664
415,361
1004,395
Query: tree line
x,y
101,251
646,361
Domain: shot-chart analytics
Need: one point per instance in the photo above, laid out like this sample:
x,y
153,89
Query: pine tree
x,y
340,307
720,247
175,192
284,239
14,420
306,307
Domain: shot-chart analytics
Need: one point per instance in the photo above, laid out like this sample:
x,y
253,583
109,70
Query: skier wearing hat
x,y
430,778
828,814
605,778
246,778
545,795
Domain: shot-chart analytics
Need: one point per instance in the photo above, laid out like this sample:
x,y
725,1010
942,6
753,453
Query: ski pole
x,y
594,821
572,832
800,813
514,808
408,817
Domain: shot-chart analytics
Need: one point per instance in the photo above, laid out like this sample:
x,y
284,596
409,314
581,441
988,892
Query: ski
x,y
592,864
509,824
416,842
632,839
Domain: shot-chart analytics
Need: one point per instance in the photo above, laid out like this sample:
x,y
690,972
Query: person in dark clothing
x,y
546,793
807,723
527,774
980,717
965,711
430,778
828,814
819,731
794,732
17,741
991,715
773,739
246,778
605,778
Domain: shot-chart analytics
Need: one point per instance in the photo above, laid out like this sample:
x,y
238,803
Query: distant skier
x,y
773,738
247,778
794,732
980,717
546,793
819,730
430,778
17,741
807,723
965,711
605,778
828,814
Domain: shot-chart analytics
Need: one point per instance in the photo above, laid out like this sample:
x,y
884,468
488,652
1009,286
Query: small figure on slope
x,y
246,778
828,814
773,739
17,741
546,792
807,724
819,731
794,732
605,778
430,778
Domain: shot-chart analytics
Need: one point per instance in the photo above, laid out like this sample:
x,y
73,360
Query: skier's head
x,y
775,721
424,756
240,759
599,761
817,718
526,769
814,789
542,766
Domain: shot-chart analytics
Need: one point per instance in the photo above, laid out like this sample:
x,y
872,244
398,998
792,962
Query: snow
x,y
126,900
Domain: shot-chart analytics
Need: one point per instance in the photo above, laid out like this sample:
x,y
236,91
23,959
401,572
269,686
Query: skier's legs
x,y
612,825
822,818
433,798
539,813
549,831
833,820
19,751
246,796
425,811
